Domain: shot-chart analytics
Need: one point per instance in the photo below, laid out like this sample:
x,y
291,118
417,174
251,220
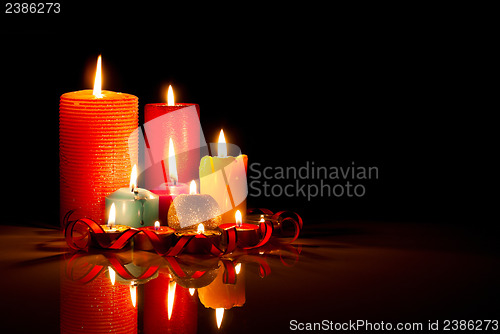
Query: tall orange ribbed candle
x,y
98,145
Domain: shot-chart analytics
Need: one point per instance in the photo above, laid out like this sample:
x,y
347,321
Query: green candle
x,y
135,207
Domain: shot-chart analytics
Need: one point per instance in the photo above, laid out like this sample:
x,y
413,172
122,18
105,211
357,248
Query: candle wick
x,y
134,189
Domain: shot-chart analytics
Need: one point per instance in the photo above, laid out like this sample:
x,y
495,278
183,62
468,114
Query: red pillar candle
x,y
179,121
98,146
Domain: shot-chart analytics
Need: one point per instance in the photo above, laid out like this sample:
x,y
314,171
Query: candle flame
x,y
221,147
133,294
112,216
170,96
133,179
262,220
237,268
172,164
201,228
97,81
157,225
171,296
238,218
112,275
219,314
191,291
192,188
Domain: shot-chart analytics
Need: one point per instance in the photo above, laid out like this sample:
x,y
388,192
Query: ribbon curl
x,y
79,235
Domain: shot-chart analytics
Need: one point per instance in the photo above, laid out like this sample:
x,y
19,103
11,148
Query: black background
x,y
402,89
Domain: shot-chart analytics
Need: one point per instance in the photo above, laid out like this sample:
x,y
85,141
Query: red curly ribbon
x,y
91,274
176,268
96,269
81,232
266,230
125,274
86,227
229,276
283,217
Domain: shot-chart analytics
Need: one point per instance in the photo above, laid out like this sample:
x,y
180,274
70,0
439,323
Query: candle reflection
x,y
171,297
219,315
106,292
168,307
221,296
237,268
133,294
97,306
112,275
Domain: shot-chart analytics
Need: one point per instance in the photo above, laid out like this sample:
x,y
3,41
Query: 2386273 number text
x,y
32,7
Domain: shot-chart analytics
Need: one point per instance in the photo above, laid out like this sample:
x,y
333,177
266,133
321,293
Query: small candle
x,y
112,230
164,233
179,121
196,215
188,211
168,191
202,241
224,178
136,207
248,234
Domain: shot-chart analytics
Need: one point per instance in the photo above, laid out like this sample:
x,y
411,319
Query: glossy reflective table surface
x,y
334,273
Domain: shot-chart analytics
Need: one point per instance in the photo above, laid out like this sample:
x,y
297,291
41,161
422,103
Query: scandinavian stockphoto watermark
x,y
310,180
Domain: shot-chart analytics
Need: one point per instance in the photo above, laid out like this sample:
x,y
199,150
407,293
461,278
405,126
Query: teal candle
x,y
135,207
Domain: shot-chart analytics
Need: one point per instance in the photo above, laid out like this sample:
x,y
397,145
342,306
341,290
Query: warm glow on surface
x,y
97,80
219,314
170,96
172,164
112,216
133,294
262,220
112,275
157,225
171,296
192,188
221,147
238,218
201,229
191,291
237,268
133,178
